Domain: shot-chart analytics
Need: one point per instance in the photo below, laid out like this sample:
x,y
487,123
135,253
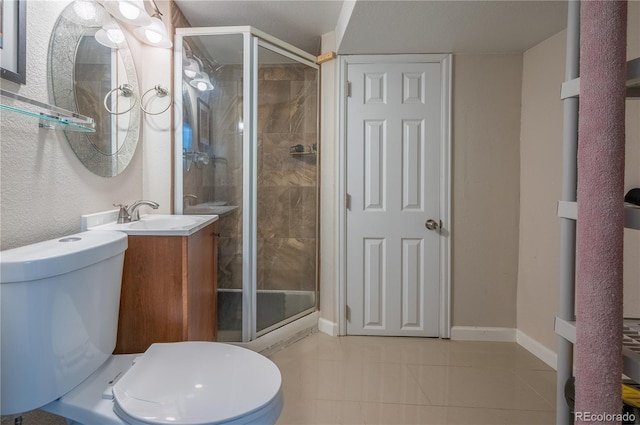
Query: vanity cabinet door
x,y
169,290
202,288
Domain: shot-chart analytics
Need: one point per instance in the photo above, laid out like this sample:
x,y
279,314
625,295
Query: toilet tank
x,y
59,302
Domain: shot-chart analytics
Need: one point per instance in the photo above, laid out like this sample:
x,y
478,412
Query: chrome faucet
x,y
134,214
128,214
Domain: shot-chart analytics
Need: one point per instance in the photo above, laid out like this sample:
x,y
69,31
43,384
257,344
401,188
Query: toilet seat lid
x,y
195,383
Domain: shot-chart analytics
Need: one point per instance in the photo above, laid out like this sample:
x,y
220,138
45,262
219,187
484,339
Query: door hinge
x,y
347,313
347,201
348,88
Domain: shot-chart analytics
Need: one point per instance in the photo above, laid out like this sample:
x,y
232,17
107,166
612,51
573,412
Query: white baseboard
x,y
479,333
328,327
538,350
473,333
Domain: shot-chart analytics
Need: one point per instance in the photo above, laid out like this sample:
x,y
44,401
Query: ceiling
x,y
392,26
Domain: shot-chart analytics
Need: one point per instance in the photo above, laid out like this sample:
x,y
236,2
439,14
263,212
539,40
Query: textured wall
x,y
44,188
485,201
540,177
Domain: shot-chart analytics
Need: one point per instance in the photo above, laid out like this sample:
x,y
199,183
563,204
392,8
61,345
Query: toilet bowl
x,y
59,309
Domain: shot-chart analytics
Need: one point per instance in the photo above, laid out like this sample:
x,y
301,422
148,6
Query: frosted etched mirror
x,y
96,78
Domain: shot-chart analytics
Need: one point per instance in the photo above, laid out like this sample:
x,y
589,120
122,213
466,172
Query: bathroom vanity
x,y
169,281
168,290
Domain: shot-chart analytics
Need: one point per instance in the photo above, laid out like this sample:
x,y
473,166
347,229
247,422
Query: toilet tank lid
x,y
61,255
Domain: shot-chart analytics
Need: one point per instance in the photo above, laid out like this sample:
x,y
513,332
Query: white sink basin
x,y
161,224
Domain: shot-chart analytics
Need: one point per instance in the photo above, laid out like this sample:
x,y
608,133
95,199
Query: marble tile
x,y
274,108
279,168
283,264
289,72
304,110
229,263
273,212
302,212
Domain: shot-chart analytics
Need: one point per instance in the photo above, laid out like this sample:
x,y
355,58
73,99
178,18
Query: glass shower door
x,y
287,187
212,158
247,139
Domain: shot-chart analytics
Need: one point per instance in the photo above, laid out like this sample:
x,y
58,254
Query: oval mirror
x,y
92,72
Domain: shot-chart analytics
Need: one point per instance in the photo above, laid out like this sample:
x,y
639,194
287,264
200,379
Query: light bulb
x,y
129,11
85,10
201,86
152,36
115,35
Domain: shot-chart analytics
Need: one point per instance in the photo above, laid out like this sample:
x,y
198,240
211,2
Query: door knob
x,y
433,225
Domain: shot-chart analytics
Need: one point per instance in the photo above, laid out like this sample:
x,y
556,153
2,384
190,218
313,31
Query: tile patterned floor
x,y
374,380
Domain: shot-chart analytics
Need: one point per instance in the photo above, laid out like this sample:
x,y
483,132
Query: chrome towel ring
x,y
127,91
160,92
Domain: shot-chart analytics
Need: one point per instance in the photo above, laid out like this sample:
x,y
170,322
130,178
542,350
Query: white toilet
x,y
59,314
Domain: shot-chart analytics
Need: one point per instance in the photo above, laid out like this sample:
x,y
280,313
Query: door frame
x,y
445,60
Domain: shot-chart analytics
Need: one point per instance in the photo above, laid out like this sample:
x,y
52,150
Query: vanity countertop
x,y
156,224
210,208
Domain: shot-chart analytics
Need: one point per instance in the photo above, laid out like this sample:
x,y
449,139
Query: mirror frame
x,y
63,45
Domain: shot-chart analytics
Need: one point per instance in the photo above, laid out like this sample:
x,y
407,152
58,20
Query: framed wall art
x,y
13,40
203,122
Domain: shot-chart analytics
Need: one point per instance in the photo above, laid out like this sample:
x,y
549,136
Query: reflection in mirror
x,y
85,74
96,67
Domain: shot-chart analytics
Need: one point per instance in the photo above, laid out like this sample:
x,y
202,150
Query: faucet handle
x,y
123,215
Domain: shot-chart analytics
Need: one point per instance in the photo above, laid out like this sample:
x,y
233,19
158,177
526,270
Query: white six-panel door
x,y
393,142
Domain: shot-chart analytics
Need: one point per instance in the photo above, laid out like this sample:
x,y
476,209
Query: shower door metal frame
x,y
252,39
309,61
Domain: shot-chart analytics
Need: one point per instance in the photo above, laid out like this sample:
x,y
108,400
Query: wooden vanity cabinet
x,y
169,290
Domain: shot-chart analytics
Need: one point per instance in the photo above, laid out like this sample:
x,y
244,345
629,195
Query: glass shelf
x,y
49,117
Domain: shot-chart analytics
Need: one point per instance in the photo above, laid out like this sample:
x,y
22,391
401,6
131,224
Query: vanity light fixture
x,y
86,13
110,35
129,11
190,67
85,10
193,70
154,33
201,82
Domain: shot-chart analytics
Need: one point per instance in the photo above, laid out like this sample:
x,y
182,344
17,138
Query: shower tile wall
x,y
287,185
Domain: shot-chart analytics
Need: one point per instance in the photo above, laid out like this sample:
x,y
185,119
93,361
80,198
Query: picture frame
x,y
203,123
13,40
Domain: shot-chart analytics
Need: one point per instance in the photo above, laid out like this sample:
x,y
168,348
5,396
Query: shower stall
x,y
246,149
